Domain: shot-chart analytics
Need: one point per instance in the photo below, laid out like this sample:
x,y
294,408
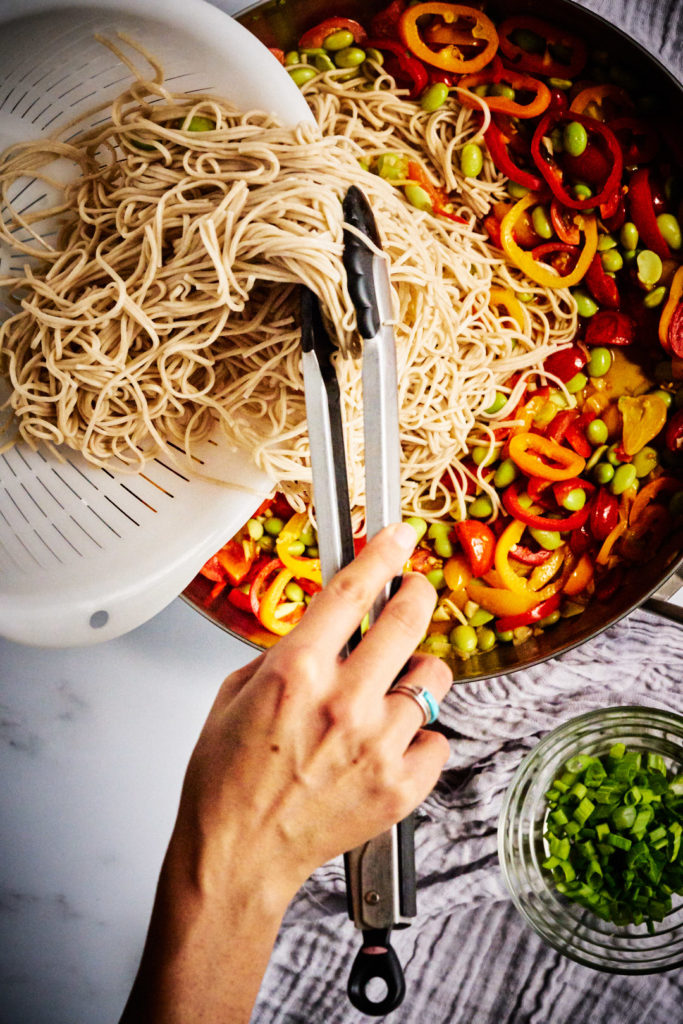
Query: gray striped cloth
x,y
469,958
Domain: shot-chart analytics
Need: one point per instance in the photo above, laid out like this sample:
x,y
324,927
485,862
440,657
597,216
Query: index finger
x,y
338,609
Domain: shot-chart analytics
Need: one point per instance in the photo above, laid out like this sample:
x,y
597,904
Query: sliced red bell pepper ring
x,y
235,561
450,57
409,71
385,22
499,150
478,543
610,327
517,80
565,364
671,319
563,255
528,557
552,172
638,140
557,41
602,287
240,600
538,612
512,505
604,514
613,212
315,37
563,488
563,223
258,584
643,213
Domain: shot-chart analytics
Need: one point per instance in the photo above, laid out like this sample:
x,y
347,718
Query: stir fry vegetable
x,y
613,835
583,481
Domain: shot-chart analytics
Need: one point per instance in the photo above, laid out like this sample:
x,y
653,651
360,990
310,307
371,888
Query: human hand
x,y
304,756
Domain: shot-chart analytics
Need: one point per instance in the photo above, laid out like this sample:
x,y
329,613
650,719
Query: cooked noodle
x,y
170,299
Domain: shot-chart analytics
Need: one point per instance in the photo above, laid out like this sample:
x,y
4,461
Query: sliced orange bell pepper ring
x,y
517,80
506,298
499,601
525,261
542,457
675,296
477,29
302,568
596,95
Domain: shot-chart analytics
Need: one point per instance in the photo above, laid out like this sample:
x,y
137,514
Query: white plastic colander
x,y
86,555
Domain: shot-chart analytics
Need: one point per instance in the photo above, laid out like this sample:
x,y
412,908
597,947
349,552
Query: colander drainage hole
x,y
99,619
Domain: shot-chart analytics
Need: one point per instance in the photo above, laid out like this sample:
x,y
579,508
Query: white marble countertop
x,y
93,746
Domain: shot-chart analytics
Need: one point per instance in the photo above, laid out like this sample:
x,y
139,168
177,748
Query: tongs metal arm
x,y
381,873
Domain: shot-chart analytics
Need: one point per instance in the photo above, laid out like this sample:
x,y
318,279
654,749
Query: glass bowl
x,y
572,930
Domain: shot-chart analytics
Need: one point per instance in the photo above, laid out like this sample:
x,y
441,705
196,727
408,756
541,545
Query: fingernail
x,y
404,536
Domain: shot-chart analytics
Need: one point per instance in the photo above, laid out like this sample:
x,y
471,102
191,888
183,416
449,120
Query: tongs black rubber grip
x,y
358,260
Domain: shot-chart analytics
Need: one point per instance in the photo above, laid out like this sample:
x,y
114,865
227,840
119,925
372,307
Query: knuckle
x,y
294,667
345,715
348,588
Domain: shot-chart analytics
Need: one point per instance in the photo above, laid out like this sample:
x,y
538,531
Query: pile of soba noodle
x,y
169,300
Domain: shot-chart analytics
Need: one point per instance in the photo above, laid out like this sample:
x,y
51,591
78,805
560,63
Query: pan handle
x,y
661,604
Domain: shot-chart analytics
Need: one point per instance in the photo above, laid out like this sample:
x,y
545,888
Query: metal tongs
x,y
380,875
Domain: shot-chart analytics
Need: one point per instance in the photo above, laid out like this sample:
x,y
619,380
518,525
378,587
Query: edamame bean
x,y
323,62
550,620
266,543
307,535
599,361
613,456
655,297
481,90
649,267
670,230
438,530
560,83
293,592
292,57
665,397
603,473
606,242
296,548
541,222
506,636
376,56
629,255
479,618
464,639
471,160
575,138
500,89
628,236
517,191
417,197
254,529
482,456
273,526
391,166
497,404
486,639
436,578
581,190
481,507
201,124
419,525
443,547
644,461
575,500
339,40
302,75
436,644
525,296
596,432
527,40
313,551
624,477
350,57
585,305
577,383
505,474
612,260
434,97
549,540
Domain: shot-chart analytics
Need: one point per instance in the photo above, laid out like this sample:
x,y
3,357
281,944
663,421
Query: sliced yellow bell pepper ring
x,y
525,261
499,601
270,601
301,568
526,450
506,298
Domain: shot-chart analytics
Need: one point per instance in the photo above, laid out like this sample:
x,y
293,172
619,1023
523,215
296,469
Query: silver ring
x,y
423,698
